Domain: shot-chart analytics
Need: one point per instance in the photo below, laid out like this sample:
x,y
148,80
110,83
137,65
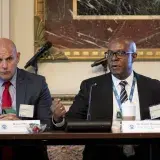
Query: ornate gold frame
x,y
66,99
86,54
115,17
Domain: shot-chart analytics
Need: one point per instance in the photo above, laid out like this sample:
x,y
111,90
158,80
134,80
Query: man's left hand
x,y
9,116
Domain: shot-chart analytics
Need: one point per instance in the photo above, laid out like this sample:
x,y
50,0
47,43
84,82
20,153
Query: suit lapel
x,y
20,89
107,92
103,92
143,97
103,107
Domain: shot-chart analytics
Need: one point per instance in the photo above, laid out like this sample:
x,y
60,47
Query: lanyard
x,y
130,96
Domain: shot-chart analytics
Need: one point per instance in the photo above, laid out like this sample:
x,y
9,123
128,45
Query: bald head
x,y
7,44
9,58
126,45
121,55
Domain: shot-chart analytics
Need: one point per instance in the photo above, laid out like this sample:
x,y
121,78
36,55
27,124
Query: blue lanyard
x,y
130,96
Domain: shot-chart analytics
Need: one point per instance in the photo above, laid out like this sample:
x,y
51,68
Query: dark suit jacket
x,y
32,89
101,99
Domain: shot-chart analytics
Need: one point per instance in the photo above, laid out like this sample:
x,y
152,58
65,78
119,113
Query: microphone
x,y
39,53
99,61
89,102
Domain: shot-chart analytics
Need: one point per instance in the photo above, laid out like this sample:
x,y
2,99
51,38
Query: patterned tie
x,y
6,97
6,104
123,93
128,150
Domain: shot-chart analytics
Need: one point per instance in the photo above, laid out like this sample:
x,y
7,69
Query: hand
x,y
9,116
58,110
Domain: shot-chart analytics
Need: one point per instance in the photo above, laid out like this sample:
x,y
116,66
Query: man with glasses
x,y
100,98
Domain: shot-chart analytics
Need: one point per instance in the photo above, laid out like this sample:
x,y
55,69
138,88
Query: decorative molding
x,y
5,18
110,17
146,54
39,10
66,99
93,54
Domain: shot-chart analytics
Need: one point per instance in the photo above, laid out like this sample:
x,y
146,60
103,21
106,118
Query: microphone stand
x,y
102,62
33,60
105,66
89,102
35,66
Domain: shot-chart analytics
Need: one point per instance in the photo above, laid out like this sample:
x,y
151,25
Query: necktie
x,y
128,150
123,93
6,104
6,97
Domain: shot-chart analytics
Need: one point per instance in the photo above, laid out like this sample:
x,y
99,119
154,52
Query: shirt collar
x,y
13,80
129,80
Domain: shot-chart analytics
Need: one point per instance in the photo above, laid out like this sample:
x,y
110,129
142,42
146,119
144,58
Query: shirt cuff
x,y
59,124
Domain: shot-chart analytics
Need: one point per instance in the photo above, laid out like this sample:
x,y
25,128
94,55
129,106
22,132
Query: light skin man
x,y
26,89
9,59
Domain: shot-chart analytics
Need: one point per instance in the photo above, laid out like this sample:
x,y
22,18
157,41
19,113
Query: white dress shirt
x,y
12,91
135,98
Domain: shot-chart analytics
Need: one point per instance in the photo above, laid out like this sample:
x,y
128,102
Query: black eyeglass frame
x,y
118,53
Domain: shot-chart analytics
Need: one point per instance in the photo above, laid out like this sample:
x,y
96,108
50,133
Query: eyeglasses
x,y
118,54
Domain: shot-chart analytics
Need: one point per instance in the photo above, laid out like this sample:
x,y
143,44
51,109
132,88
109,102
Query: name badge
x,y
154,111
16,127
146,126
119,115
26,110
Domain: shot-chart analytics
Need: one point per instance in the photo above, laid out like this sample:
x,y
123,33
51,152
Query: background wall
x,y
62,78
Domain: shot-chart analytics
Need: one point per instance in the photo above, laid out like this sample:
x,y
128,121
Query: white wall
x,y
21,27
4,18
62,78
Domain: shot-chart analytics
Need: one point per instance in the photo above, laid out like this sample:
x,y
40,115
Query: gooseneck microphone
x,y
39,53
88,125
99,61
89,101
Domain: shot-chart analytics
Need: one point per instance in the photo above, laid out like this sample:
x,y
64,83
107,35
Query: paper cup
x,y
116,126
128,111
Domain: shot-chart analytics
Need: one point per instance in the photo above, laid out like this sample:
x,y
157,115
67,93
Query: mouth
x,y
115,66
4,73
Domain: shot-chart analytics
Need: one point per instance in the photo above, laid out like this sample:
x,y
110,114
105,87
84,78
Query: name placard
x,y
146,126
18,126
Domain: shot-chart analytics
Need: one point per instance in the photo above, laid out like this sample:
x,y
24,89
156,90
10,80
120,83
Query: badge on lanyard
x,y
119,115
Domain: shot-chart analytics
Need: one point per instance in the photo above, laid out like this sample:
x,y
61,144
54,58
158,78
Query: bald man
x,y
24,88
100,94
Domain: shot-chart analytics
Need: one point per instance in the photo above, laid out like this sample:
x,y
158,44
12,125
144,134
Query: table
x,y
61,137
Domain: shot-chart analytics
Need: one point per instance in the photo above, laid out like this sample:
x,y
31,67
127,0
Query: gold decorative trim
x,y
39,8
77,17
110,17
90,54
66,99
74,9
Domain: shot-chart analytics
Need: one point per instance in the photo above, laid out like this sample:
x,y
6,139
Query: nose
x,y
4,64
114,57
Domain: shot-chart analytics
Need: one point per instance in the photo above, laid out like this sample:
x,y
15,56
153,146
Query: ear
x,y
134,56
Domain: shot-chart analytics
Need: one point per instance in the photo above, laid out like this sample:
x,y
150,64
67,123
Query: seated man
x,y
21,87
101,98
